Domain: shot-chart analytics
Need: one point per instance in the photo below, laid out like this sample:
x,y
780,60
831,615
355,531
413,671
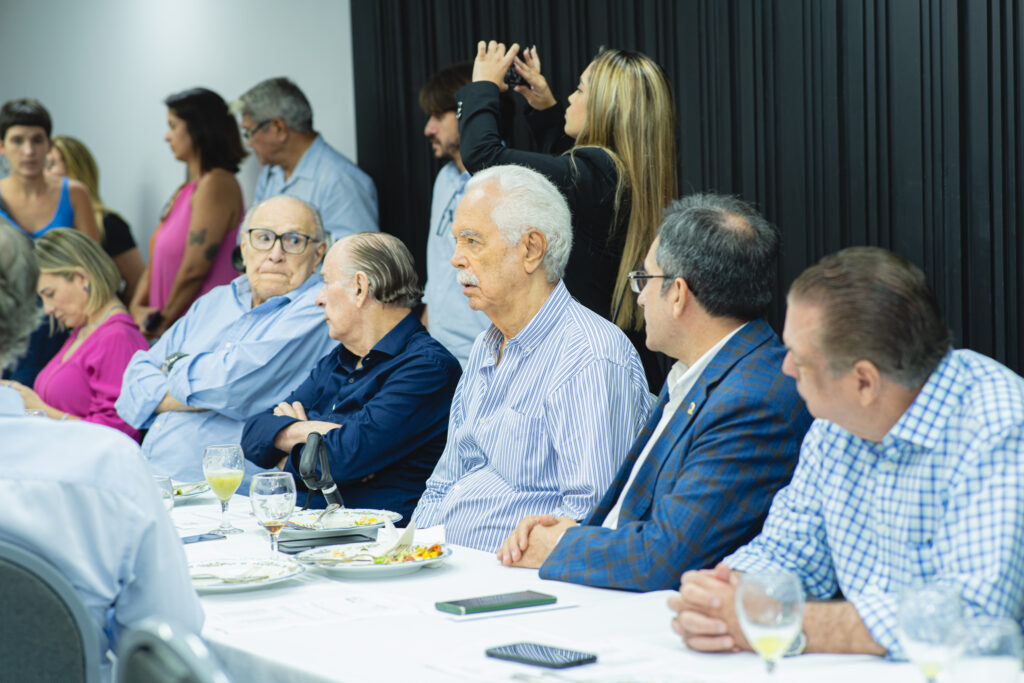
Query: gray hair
x,y
388,265
19,311
529,201
276,98
318,224
724,249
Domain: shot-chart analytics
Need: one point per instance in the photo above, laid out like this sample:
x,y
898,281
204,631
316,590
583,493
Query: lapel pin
x,y
690,408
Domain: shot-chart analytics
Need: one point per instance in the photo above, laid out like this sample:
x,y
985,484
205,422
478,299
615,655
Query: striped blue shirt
x,y
939,499
543,431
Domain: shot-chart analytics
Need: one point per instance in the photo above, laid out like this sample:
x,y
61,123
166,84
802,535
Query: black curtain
x,y
897,123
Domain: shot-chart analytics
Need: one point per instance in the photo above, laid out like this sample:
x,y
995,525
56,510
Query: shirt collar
x,y
925,419
306,168
11,403
682,378
392,343
537,329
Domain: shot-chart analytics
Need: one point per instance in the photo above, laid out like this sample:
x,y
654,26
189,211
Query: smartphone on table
x,y
541,655
494,603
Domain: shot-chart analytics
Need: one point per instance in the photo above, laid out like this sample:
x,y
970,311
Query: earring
x,y
86,287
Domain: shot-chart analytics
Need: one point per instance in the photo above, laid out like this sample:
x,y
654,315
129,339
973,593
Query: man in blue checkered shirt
x,y
913,472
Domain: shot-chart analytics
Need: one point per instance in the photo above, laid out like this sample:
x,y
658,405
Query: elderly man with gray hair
x,y
553,394
381,398
277,124
238,349
89,508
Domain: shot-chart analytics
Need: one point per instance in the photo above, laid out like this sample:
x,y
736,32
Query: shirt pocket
x,y
523,451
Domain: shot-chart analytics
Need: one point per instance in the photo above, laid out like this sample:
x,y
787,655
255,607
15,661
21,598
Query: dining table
x,y
325,624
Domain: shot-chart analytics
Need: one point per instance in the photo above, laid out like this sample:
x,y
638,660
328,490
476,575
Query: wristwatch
x,y
797,647
169,362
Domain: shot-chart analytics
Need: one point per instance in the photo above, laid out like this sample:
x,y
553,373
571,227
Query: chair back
x,y
46,633
156,651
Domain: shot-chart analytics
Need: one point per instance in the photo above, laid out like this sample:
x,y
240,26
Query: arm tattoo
x,y
211,252
197,237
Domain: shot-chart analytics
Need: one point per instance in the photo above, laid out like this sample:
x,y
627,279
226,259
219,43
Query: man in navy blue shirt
x,y
381,398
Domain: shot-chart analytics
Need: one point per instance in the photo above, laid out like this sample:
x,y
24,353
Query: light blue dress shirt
x,y
543,431
325,179
939,499
449,318
242,361
81,496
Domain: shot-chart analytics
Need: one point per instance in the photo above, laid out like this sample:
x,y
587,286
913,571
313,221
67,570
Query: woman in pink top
x,y
190,252
78,284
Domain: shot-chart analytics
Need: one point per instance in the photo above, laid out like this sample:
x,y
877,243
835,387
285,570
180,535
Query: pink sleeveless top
x,y
88,384
169,249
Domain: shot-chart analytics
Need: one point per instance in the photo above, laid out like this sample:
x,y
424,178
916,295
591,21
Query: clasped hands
x,y
493,61
532,540
706,610
297,432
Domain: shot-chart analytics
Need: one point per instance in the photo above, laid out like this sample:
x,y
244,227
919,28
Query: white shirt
x,y
680,380
82,496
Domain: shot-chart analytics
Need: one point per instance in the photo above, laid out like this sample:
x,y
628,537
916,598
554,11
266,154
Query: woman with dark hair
x,y
618,174
190,252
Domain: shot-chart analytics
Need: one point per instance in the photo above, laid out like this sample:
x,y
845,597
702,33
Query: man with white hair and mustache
x,y
552,395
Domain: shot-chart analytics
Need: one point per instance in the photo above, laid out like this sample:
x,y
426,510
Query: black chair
x,y
155,651
46,633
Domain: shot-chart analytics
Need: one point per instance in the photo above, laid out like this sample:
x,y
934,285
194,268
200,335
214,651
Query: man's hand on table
x,y
532,540
706,607
297,432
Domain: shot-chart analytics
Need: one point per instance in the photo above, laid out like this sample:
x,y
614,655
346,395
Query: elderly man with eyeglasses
x,y
238,350
724,436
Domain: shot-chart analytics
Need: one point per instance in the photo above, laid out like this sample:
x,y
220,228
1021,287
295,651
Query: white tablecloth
x,y
322,628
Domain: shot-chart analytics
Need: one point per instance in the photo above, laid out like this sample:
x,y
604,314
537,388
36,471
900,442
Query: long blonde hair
x,y
631,115
81,166
64,252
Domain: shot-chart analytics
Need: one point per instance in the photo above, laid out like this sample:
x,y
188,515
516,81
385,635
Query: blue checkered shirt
x,y
939,499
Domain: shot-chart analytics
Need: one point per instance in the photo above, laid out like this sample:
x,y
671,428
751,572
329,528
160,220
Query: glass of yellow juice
x,y
224,467
770,609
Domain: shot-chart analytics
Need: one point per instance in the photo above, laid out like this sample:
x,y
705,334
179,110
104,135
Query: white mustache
x,y
465,278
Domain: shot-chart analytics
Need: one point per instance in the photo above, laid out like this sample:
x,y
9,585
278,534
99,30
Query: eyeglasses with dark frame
x,y
262,239
638,280
249,132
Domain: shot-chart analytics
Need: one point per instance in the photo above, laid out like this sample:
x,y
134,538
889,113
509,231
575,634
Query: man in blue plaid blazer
x,y
724,437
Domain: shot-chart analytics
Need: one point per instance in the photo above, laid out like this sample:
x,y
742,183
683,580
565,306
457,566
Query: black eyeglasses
x,y
638,280
249,132
262,239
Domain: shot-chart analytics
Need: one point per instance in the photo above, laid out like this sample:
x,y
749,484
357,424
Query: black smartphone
x,y
202,537
494,603
512,77
541,655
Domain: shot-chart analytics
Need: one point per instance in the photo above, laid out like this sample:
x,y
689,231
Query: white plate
x,y
343,519
235,574
189,489
363,569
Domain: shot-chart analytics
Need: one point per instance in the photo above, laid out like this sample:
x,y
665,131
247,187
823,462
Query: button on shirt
x,y
241,360
91,510
449,317
393,411
543,431
328,181
940,498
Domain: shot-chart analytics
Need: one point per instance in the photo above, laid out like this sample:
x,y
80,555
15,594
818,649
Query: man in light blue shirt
x,y
447,313
277,124
80,495
912,474
239,350
553,394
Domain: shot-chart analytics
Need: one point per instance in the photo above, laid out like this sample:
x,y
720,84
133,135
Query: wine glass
x,y
223,467
272,496
930,627
992,651
770,609
166,488
35,412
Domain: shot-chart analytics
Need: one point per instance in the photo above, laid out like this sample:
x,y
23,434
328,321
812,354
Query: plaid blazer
x,y
707,483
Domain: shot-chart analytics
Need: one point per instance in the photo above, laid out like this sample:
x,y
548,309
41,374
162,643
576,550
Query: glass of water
x,y
272,495
930,627
770,609
166,488
992,651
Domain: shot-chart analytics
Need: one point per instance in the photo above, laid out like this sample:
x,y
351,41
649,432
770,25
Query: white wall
x,y
104,67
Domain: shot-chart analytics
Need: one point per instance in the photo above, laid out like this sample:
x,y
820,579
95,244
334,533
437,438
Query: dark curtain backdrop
x,y
895,123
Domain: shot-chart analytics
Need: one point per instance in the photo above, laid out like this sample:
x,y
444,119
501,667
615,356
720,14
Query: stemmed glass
x,y
992,651
770,609
931,627
166,488
272,495
223,467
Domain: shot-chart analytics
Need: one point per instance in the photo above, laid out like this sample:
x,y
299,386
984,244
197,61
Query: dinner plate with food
x,y
360,561
220,576
342,519
187,489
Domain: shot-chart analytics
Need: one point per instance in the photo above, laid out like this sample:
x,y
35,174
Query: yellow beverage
x,y
931,670
224,482
771,647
